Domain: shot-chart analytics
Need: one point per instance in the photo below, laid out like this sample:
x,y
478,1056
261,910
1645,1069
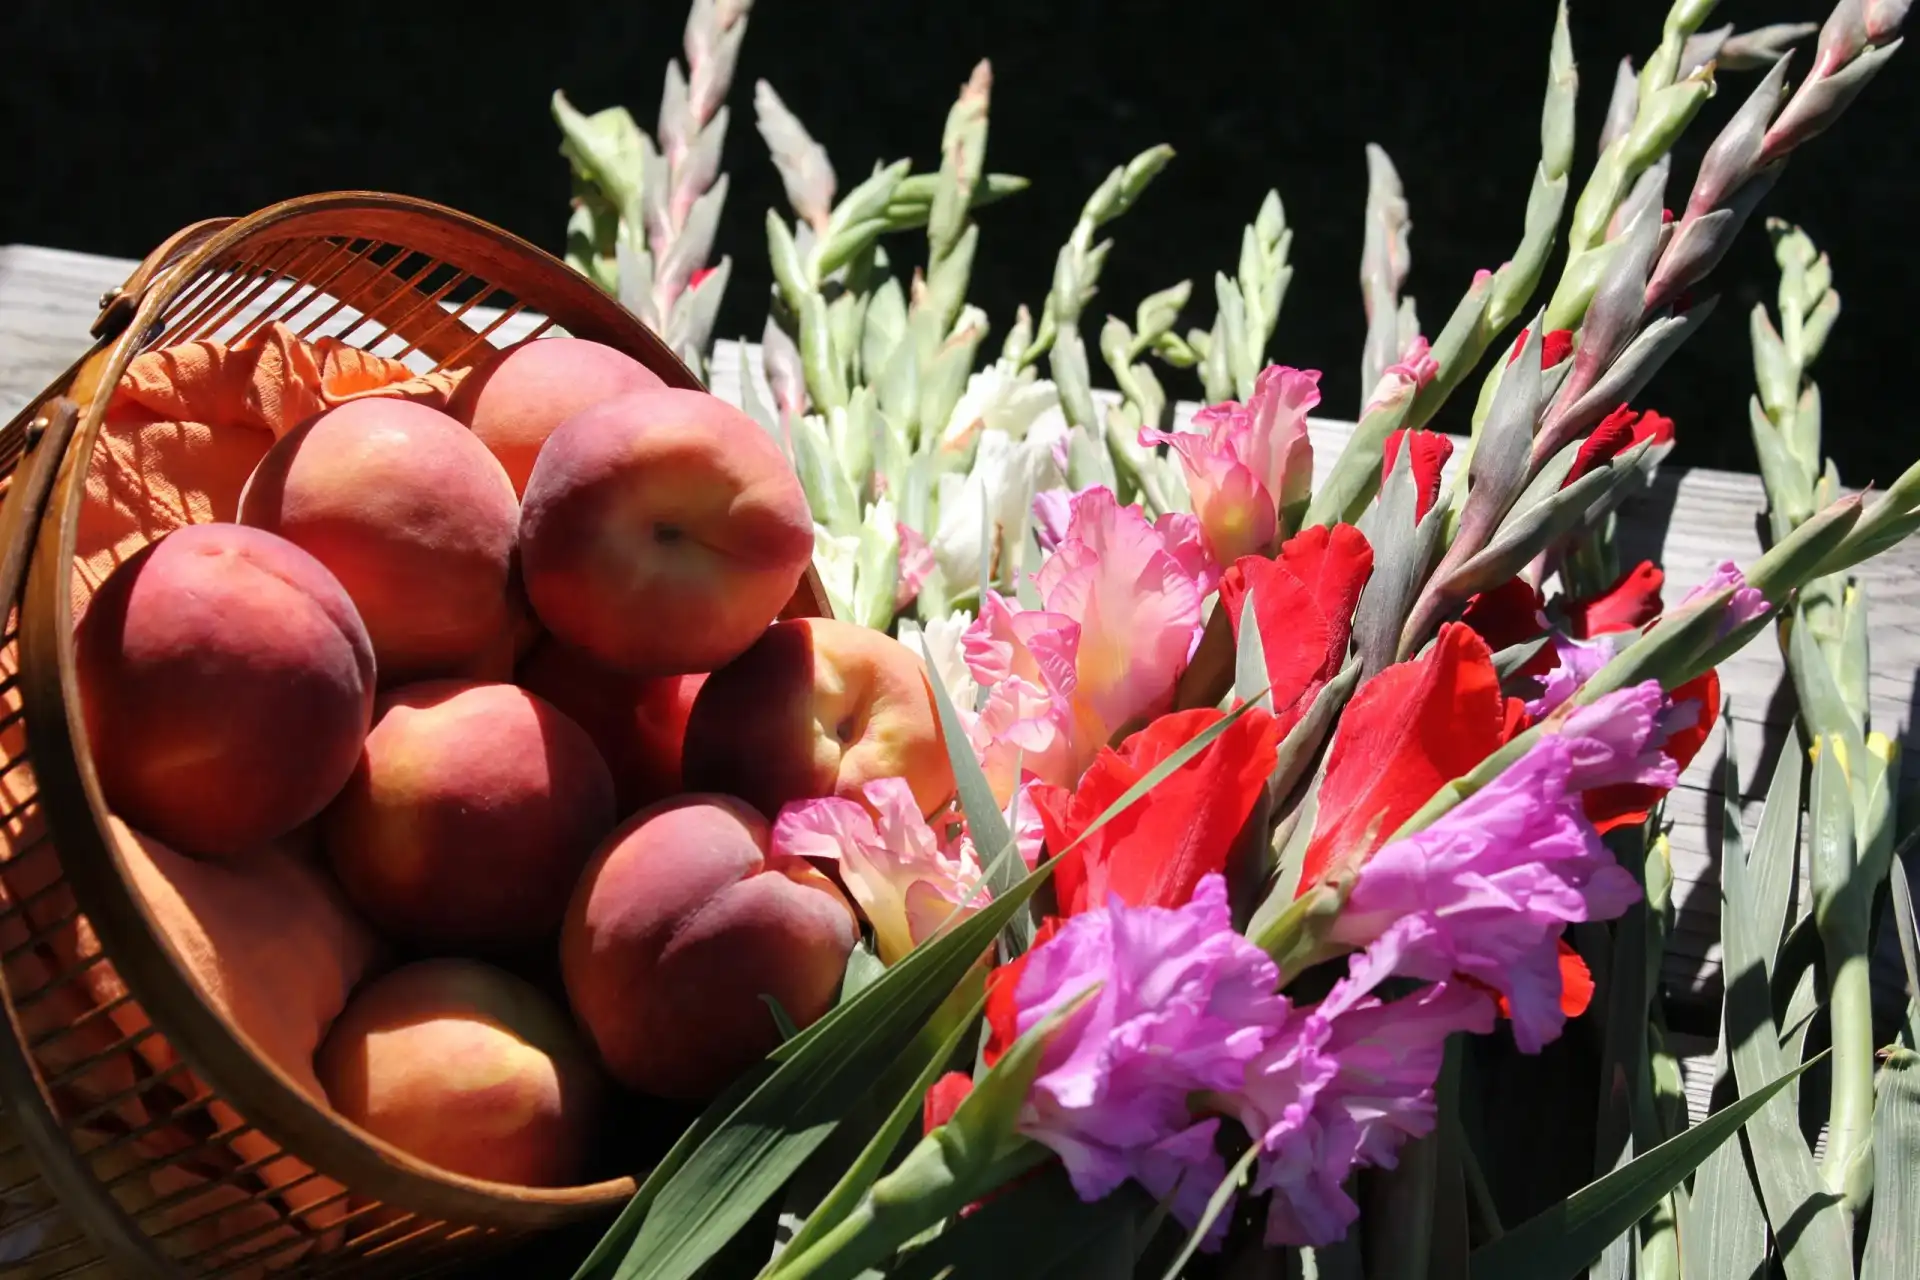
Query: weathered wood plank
x,y
1691,520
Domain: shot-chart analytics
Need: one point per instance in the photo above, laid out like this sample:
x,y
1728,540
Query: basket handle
x,y
117,306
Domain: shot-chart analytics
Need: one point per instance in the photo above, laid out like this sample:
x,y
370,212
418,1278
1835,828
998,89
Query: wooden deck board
x,y
1691,520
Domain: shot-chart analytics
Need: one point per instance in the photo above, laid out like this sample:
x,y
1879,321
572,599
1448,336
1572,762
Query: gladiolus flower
x,y
1574,663
1345,1085
943,1099
1747,603
1693,707
916,564
1430,453
1121,617
1628,605
1155,851
1555,346
1618,432
904,880
1244,463
1303,604
1180,1004
1495,881
1508,615
1408,732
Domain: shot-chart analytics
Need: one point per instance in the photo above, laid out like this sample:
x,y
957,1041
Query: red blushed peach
x,y
680,925
662,531
472,810
818,708
468,1068
411,513
638,722
227,684
515,400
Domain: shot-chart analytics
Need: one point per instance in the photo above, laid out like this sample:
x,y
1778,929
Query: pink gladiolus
x,y
1497,879
905,879
1180,1005
1120,617
1245,462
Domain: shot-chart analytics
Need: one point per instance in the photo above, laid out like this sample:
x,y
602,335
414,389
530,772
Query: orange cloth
x,y
188,423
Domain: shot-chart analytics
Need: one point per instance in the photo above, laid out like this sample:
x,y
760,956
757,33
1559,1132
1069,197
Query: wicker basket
x,y
217,1165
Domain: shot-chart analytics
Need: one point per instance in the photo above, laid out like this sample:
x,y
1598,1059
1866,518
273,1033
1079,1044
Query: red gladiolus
x,y
1507,615
1653,426
1430,453
1627,605
1002,1014
1618,432
693,281
1303,603
948,1092
1556,346
1409,731
1629,803
1156,851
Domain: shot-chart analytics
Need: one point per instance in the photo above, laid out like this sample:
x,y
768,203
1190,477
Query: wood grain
x,y
1690,521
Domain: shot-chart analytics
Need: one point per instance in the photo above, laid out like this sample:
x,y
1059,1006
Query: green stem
x,y
1848,1165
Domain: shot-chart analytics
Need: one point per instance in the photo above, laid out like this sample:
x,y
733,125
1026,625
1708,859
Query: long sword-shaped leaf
x,y
1810,1232
1895,1229
985,823
1558,1243
1038,1229
1216,1205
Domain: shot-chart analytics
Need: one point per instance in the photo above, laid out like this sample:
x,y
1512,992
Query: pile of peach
x,y
482,716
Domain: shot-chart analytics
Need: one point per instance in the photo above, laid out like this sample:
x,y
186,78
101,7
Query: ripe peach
x,y
681,923
227,683
411,513
472,810
514,401
272,944
662,531
638,722
468,1068
818,708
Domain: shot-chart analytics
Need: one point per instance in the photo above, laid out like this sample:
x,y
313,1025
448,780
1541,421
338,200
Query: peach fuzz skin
x,y
514,402
468,1068
680,924
411,513
818,708
661,532
472,810
638,722
227,684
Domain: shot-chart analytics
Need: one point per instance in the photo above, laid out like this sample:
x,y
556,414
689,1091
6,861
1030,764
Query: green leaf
x,y
872,1160
1526,533
985,822
1250,659
1355,477
1895,1229
1054,1228
1806,1218
1906,922
1774,862
1558,1243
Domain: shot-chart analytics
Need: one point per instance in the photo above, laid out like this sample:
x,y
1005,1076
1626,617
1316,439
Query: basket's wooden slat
x,y
1691,521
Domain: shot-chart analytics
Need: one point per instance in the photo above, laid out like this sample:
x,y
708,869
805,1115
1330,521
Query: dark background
x,y
123,121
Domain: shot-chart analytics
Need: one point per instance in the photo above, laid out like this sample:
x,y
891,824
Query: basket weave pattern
x,y
140,1133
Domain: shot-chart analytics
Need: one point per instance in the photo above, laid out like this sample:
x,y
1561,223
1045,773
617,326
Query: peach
x,y
411,513
662,531
681,924
227,684
472,810
272,944
638,722
818,708
468,1068
514,401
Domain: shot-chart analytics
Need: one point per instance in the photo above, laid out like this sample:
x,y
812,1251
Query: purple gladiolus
x,y
1747,604
1496,880
1182,1004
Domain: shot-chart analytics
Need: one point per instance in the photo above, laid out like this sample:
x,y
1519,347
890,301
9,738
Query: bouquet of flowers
x,y
1302,803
